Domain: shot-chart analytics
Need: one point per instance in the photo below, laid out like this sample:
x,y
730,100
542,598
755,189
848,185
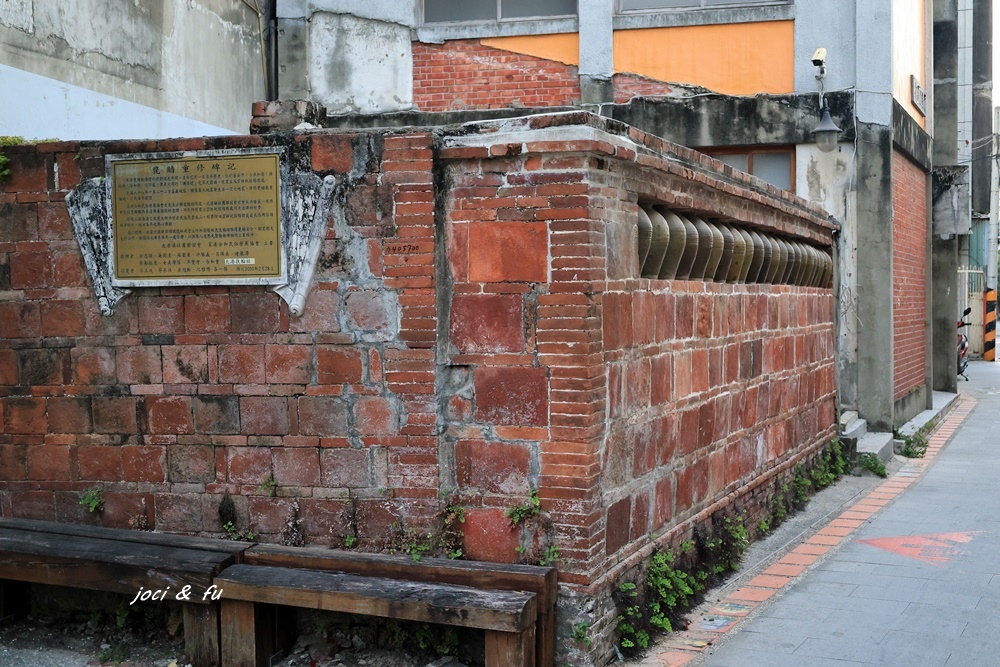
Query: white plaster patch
x,y
358,65
18,14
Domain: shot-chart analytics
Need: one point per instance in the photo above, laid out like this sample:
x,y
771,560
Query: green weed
x,y
93,499
518,514
872,463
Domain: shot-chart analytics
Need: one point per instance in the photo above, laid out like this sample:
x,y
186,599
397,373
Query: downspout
x,y
271,47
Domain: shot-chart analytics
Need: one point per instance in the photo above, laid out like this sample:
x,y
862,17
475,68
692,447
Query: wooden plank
x,y
122,535
545,639
107,565
510,649
110,550
243,640
201,634
542,581
409,600
530,578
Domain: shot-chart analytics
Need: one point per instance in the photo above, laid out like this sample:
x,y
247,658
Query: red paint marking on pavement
x,y
934,549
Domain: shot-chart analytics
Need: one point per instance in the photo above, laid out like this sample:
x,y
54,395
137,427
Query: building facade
x,y
735,79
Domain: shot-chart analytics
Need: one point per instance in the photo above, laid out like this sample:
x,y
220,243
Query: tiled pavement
x,y
907,575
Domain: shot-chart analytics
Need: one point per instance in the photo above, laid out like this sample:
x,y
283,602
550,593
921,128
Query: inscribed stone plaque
x,y
207,218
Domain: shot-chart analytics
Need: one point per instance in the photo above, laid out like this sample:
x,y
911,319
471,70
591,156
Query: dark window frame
x,y
498,18
750,151
695,5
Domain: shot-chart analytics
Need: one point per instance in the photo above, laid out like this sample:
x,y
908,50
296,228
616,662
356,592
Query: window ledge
x,y
442,32
658,18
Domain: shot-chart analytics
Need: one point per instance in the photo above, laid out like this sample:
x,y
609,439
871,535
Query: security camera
x,y
819,58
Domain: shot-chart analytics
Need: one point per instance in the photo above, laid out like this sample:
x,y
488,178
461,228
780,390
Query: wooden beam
x,y
201,634
529,578
510,649
369,596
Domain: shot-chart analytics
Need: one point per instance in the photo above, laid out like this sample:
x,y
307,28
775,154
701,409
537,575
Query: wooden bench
x,y
514,604
119,561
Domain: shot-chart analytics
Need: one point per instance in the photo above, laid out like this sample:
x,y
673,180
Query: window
x,y
632,5
449,11
774,165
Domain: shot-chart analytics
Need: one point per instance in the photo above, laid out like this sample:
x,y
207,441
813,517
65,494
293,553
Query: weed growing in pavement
x,y
914,446
830,465
674,581
872,463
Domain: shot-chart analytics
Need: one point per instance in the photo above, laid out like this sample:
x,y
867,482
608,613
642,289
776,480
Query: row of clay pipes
x,y
675,246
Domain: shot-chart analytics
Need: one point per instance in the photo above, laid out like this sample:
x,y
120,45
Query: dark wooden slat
x,y
243,640
531,578
123,579
497,576
510,649
415,601
106,564
110,551
121,535
201,634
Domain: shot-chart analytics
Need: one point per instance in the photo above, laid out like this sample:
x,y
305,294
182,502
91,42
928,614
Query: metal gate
x,y
971,286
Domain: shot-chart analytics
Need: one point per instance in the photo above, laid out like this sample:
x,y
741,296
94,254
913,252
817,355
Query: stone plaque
x,y
206,218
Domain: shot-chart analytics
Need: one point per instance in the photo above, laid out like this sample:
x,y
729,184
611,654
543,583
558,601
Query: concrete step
x,y
879,444
854,430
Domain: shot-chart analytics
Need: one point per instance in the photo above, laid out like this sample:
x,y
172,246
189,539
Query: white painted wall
x,y
199,59
43,108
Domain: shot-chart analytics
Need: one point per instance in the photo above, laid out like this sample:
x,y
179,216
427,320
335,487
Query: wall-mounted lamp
x,y
827,132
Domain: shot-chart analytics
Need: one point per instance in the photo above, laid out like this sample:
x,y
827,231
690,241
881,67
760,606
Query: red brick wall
x,y
186,393
529,358
465,74
909,274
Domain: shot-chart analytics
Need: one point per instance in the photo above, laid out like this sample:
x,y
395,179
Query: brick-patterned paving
x,y
909,274
677,651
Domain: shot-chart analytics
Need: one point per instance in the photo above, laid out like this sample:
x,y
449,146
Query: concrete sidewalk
x,y
907,575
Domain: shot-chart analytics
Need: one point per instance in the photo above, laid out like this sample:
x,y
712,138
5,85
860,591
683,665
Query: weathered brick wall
x,y
476,331
187,393
667,400
909,275
465,74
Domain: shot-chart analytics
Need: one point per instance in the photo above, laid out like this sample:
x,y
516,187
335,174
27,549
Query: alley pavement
x,y
907,574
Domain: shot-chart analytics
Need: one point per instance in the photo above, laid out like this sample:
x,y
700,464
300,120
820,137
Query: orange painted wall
x,y
735,59
563,48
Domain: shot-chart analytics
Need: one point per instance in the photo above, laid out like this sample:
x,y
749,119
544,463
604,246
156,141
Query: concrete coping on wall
x,y
583,131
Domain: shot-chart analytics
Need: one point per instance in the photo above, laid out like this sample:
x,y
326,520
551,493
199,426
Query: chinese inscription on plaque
x,y
210,218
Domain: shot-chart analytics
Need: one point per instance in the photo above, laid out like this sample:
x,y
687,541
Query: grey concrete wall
x,y
597,63
982,103
874,267
350,57
830,25
944,152
199,59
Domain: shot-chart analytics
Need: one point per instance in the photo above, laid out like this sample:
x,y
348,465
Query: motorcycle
x,y
963,346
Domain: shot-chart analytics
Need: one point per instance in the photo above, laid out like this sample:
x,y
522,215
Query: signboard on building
x,y
204,218
918,96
